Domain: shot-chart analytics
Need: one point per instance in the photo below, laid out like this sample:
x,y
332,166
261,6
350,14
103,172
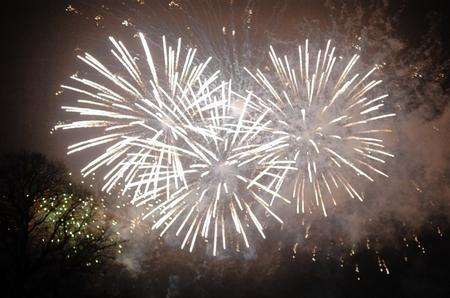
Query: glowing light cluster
x,y
70,221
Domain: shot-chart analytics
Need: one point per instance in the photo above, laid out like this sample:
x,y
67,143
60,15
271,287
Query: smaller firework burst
x,y
328,127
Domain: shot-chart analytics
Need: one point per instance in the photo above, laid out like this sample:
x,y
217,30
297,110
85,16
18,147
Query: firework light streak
x,y
323,127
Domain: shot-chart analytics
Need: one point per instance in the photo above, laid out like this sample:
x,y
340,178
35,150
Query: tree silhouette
x,y
51,227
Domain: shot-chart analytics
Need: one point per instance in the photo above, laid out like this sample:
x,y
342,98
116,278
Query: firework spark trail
x,y
216,200
145,117
321,131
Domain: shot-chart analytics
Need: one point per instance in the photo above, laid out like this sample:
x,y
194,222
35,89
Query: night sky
x,y
37,54
41,40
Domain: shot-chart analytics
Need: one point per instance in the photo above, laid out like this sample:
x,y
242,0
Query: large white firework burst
x,y
327,126
179,141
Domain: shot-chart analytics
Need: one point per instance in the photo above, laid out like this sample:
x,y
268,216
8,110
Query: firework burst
x,y
328,127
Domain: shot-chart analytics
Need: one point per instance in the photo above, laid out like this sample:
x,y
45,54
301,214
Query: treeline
x,y
54,232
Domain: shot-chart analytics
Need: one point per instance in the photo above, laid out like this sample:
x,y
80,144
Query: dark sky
x,y
38,43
